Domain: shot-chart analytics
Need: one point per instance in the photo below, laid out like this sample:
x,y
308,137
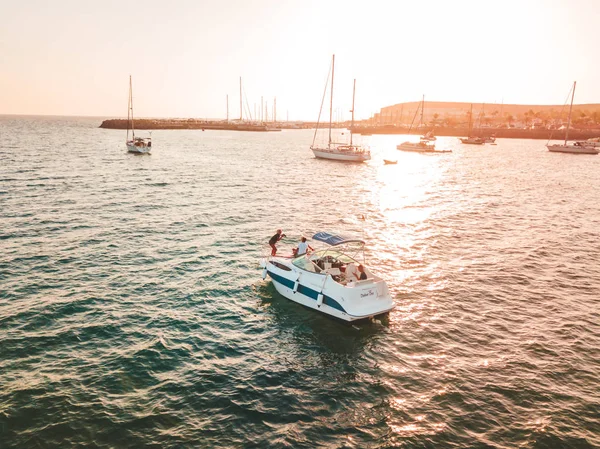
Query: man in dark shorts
x,y
274,240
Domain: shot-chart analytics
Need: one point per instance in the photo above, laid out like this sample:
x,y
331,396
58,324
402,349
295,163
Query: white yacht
x,y
347,152
576,147
329,280
422,146
139,145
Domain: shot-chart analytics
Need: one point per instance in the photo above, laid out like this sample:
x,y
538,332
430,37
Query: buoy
x,y
264,273
295,289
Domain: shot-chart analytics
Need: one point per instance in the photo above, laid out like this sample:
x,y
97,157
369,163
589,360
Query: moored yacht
x,y
472,140
418,147
339,151
576,147
139,145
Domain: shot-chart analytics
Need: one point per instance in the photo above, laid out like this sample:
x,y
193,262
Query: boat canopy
x,y
335,239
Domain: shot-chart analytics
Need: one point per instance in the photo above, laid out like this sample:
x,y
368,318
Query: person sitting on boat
x,y
273,240
303,247
362,275
350,273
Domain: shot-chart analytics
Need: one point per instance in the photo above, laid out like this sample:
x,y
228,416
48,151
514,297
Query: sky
x,y
74,57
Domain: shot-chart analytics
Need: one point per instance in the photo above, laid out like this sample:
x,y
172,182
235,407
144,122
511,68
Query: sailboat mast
x,y
352,122
131,106
227,108
128,109
422,108
241,115
570,110
470,119
331,100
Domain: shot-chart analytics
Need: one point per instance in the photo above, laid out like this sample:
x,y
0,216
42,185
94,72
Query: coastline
x,y
506,133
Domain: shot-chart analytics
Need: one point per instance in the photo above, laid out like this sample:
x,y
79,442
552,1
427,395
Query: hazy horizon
x,y
75,59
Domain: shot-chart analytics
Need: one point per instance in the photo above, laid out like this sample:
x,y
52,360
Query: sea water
x,y
133,313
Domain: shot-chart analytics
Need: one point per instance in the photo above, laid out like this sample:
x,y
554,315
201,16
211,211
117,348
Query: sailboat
x,y
139,145
574,148
339,151
424,145
428,136
487,138
472,140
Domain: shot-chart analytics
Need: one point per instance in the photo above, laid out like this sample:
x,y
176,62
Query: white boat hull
x,y
419,147
131,148
319,291
472,140
341,155
573,149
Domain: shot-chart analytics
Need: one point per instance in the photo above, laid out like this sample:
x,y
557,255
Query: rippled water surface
x,y
133,313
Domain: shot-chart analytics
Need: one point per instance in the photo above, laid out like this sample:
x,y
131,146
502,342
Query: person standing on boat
x,y
303,247
273,240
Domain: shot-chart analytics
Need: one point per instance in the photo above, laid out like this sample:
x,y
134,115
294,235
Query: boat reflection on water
x,y
323,334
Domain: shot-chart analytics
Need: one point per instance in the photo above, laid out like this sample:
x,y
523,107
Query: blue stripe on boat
x,y
309,292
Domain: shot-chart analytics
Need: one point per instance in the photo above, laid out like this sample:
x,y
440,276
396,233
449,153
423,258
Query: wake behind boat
x,y
339,151
329,280
139,145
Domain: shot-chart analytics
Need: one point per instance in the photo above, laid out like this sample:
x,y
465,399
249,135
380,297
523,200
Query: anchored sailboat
x,y
471,140
139,145
577,147
339,151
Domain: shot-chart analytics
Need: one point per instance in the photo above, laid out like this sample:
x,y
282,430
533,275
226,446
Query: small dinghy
x,y
388,162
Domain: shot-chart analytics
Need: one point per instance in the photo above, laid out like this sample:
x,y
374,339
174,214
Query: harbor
x,y
204,124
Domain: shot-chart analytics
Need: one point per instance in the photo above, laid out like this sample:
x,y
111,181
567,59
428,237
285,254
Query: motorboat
x,y
389,162
425,143
472,140
327,280
417,147
139,145
347,152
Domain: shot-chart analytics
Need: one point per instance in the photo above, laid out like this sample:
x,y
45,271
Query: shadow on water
x,y
314,329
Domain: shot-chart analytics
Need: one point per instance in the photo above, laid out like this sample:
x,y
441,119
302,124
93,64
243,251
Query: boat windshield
x,y
305,263
332,257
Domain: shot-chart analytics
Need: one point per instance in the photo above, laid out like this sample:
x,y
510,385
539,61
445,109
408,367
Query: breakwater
x,y
203,124
510,133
